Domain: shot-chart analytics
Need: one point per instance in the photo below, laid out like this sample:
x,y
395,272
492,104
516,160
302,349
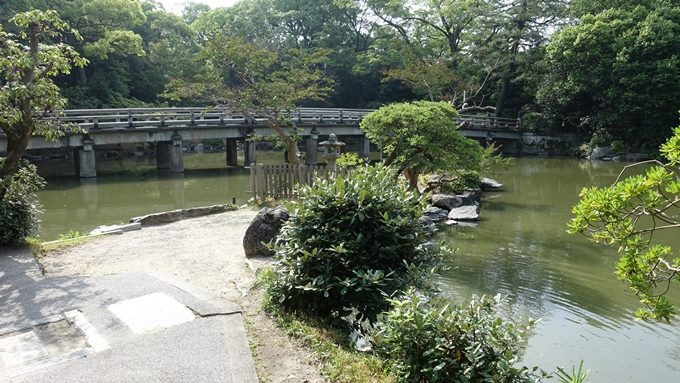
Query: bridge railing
x,y
134,118
98,119
488,123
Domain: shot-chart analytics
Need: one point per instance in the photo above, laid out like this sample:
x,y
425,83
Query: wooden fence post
x,y
253,181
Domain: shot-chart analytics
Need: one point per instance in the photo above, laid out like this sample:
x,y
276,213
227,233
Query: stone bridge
x,y
169,127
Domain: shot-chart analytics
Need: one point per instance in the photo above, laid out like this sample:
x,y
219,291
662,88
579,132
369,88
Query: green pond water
x,y
519,249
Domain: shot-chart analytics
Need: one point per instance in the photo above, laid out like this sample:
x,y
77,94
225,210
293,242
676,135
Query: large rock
x,y
436,214
489,184
601,152
471,197
465,213
263,231
446,201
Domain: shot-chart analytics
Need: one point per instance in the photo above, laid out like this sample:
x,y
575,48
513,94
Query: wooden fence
x,y
283,181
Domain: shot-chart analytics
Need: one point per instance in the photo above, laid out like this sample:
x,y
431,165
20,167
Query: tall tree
x,y
258,82
616,72
28,63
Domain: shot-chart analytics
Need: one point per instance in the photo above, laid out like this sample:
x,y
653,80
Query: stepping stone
x,y
465,213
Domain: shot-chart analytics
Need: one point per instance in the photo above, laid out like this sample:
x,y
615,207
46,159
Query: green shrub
x,y
349,159
600,137
464,181
432,342
349,243
19,209
618,147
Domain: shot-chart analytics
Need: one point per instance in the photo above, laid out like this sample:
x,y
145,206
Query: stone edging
x,y
180,214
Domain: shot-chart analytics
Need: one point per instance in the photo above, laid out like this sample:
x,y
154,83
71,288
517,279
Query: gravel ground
x,y
208,253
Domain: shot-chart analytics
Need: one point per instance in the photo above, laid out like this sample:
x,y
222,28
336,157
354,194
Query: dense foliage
x,y
421,137
615,74
630,214
19,210
29,61
350,243
429,341
577,66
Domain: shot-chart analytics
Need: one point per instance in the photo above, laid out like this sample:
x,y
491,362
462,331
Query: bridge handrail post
x,y
129,119
341,117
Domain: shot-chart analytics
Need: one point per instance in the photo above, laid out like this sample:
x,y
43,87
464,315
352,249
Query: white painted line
x,y
94,339
21,348
151,312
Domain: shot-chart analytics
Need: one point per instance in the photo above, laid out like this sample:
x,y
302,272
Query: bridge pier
x,y
365,147
84,159
249,153
169,155
312,148
232,151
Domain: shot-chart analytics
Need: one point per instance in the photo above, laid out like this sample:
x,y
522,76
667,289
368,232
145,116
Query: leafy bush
x,y
432,342
349,159
600,137
349,243
618,147
462,182
19,209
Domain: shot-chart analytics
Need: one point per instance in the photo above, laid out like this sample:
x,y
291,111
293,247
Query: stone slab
x,y
465,213
151,312
180,214
18,349
211,347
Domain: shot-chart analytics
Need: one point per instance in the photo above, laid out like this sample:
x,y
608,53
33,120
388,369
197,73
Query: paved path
x,y
132,327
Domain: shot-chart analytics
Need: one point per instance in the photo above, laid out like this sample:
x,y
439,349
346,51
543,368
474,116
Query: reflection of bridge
x,y
168,127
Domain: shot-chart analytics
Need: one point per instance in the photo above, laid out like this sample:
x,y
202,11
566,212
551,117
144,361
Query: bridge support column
x,y
364,147
169,155
232,152
84,159
249,153
312,148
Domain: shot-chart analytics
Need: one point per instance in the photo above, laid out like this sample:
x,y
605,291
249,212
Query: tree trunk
x,y
291,144
18,137
507,77
82,77
412,178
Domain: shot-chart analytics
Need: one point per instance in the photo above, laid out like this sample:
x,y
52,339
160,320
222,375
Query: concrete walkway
x,y
132,327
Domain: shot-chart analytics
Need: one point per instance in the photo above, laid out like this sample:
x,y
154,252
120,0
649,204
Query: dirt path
x,y
208,253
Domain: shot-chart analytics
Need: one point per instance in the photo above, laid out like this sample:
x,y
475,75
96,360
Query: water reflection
x,y
74,204
521,249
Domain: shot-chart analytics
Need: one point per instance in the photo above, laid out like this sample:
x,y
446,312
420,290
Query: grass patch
x,y
41,249
340,362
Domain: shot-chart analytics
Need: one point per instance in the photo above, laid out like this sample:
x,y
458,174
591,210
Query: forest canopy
x,y
603,68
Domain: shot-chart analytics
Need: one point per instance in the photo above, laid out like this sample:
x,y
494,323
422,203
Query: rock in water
x,y
601,152
445,201
472,197
465,213
436,214
263,231
490,184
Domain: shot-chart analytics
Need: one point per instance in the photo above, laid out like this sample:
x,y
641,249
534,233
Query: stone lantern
x,y
331,151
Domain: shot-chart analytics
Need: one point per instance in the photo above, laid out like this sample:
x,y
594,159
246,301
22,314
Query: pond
x,y
519,249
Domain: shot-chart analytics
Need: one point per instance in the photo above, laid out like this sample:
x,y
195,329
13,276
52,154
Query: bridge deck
x,y
114,126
